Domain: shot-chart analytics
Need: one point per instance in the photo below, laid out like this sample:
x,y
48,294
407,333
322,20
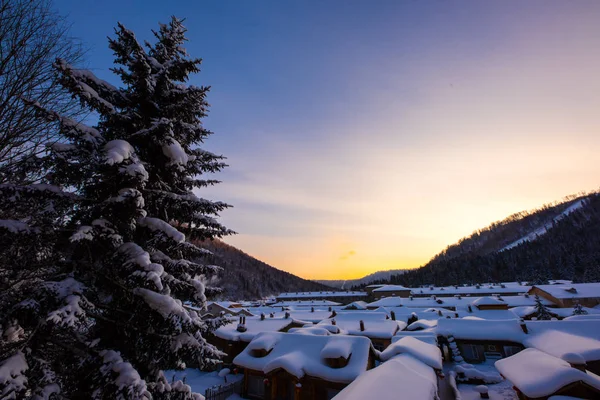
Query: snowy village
x,y
299,200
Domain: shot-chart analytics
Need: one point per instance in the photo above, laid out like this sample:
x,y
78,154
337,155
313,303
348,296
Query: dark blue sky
x,y
386,128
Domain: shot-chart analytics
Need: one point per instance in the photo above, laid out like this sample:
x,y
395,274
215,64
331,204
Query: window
x,y
511,350
472,351
491,347
492,355
256,386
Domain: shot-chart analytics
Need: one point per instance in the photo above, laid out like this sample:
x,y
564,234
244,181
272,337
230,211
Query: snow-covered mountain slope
x,y
366,280
533,235
556,241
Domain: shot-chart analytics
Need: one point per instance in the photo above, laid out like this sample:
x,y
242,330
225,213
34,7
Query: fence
x,y
222,392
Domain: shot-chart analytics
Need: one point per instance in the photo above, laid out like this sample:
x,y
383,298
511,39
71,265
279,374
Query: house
x,y
479,340
376,326
405,374
538,375
488,289
356,305
390,290
312,367
336,296
369,289
560,344
305,303
489,303
235,336
586,294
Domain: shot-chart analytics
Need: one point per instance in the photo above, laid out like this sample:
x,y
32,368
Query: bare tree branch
x,y
32,37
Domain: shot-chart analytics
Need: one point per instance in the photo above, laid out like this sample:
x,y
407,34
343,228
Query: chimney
x,y
523,326
362,325
312,309
333,321
262,316
287,315
393,315
333,314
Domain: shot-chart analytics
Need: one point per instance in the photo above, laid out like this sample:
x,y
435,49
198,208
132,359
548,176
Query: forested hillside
x,y
560,241
245,277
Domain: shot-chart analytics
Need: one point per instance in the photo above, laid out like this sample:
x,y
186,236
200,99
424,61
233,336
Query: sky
x,y
369,135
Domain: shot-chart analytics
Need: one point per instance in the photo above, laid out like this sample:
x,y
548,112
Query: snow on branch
x,y
152,272
175,152
12,378
69,126
14,226
99,94
117,151
170,308
123,376
69,315
158,225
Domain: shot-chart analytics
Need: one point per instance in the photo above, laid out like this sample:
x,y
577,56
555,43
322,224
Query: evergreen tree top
x,y
113,301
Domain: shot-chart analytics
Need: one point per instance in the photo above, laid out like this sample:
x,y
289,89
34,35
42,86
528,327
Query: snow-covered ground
x,y
497,391
200,381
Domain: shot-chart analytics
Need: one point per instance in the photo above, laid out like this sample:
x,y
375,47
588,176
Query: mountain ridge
x,y
365,280
559,240
245,277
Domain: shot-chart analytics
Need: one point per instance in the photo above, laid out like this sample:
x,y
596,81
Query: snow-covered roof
x,y
375,323
484,289
488,314
229,304
426,353
254,326
316,295
310,331
402,374
386,302
452,301
558,344
359,305
305,303
310,316
422,324
537,374
487,301
427,336
479,329
302,355
390,288
572,290
584,328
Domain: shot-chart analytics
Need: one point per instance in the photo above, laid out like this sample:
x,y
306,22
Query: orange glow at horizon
x,y
486,134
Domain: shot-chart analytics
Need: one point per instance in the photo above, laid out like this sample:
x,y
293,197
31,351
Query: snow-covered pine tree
x,y
541,311
111,306
578,310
